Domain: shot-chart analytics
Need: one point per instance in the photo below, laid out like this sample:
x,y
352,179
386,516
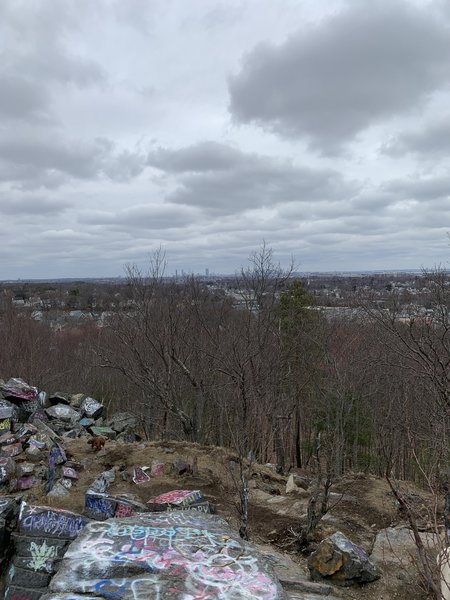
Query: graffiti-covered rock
x,y
18,389
91,408
46,521
44,534
176,499
14,592
173,555
63,412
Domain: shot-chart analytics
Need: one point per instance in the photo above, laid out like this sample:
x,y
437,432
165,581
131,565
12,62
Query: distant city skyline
x,y
321,127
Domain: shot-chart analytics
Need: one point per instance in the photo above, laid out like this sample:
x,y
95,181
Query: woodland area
x,y
270,376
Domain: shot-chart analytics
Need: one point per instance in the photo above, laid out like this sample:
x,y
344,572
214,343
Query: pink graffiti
x,y
177,497
123,510
140,476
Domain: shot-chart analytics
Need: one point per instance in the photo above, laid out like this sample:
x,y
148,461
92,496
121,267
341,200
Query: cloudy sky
x,y
207,126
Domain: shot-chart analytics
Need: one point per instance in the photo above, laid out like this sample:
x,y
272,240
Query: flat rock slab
x,y
395,547
167,555
45,521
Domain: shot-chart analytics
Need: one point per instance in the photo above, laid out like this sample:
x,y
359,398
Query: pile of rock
x,y
34,426
43,537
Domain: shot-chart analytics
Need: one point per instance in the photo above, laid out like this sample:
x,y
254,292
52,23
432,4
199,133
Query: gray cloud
x,y
367,63
223,180
20,98
46,160
201,157
431,141
38,33
148,217
425,189
85,93
32,205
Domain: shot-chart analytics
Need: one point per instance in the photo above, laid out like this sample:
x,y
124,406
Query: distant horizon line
x,y
184,274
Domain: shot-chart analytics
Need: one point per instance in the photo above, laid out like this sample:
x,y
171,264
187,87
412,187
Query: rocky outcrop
x,y
44,534
173,555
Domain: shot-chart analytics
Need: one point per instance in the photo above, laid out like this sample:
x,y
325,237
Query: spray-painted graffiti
x,y
157,468
5,425
99,507
204,507
140,476
197,556
40,554
41,520
178,497
124,510
20,596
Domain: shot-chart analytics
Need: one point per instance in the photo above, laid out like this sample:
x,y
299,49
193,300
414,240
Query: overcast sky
x,y
207,126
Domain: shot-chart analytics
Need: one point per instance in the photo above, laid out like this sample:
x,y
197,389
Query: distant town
x,y
68,302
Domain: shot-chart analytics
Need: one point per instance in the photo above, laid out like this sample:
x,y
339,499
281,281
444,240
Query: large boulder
x,y
18,389
91,408
167,555
341,562
123,421
44,534
63,412
395,548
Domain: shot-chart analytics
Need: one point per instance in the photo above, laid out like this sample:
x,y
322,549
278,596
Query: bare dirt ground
x,y
362,504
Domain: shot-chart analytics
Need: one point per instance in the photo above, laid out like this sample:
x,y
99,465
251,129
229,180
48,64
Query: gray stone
x,y
63,412
77,399
42,521
17,388
301,481
99,506
58,491
145,561
122,421
34,454
291,486
59,398
26,577
105,432
13,592
395,547
72,434
102,482
180,466
341,562
91,408
46,432
38,563
24,468
7,410
29,547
